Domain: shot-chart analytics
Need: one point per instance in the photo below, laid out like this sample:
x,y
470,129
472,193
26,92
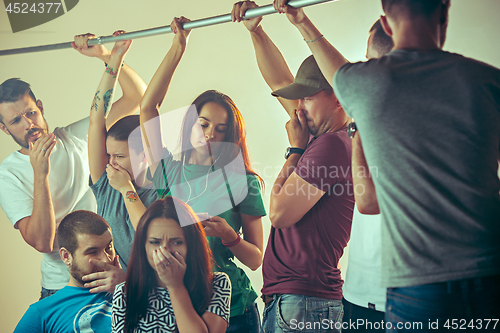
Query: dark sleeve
x,y
253,204
341,85
326,162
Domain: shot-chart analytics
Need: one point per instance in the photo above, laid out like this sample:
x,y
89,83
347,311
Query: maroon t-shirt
x,y
303,258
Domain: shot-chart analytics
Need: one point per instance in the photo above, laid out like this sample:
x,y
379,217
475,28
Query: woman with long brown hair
x,y
170,285
213,174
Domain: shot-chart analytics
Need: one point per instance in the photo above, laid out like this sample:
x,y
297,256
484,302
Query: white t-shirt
x,y
68,180
362,284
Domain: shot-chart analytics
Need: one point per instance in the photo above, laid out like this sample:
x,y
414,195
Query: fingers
x,y
280,5
180,258
183,20
111,169
240,8
122,42
246,6
301,117
233,12
95,278
177,24
116,262
101,289
243,10
80,41
165,256
203,216
99,285
49,144
217,219
44,144
102,264
174,26
160,260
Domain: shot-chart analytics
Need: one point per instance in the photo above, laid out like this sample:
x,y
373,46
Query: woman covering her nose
x,y
213,175
170,285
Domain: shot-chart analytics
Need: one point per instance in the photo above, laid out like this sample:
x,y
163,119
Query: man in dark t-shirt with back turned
x,y
430,122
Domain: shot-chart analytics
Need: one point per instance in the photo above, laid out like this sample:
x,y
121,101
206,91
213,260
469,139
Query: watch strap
x,y
293,150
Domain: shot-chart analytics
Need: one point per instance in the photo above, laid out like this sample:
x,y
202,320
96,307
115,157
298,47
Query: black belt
x,y
269,298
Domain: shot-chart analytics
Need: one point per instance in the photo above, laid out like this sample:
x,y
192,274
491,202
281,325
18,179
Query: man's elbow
x,y
43,247
368,207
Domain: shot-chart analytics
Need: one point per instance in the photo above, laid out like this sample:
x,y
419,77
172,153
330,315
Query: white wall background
x,y
218,57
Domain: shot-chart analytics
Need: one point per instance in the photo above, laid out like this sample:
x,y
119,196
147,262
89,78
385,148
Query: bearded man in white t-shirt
x,y
47,178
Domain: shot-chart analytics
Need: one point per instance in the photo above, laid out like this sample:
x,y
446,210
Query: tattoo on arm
x,y
109,70
107,98
131,196
94,102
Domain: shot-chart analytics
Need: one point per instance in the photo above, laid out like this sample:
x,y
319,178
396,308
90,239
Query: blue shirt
x,y
71,309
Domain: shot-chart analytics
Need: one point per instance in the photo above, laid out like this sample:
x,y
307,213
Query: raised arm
x,y
98,157
132,85
157,89
364,189
292,197
39,229
328,58
272,64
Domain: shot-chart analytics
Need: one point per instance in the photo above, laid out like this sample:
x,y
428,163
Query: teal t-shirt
x,y
227,194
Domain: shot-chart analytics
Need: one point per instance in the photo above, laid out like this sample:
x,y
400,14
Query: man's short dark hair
x,y
79,222
381,42
13,89
412,8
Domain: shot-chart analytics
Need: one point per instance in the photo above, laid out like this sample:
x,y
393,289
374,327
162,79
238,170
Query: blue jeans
x,y
249,322
47,292
462,305
298,313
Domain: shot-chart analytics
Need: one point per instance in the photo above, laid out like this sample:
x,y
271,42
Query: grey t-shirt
x,y
430,125
111,207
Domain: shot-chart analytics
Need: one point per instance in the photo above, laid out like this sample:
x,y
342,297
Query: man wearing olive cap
x,y
312,199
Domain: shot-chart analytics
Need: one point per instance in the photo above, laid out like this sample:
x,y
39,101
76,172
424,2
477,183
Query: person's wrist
x,y
257,31
176,286
180,42
230,237
127,188
115,60
298,145
106,56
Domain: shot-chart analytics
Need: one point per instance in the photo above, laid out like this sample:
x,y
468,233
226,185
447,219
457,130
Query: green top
x,y
210,190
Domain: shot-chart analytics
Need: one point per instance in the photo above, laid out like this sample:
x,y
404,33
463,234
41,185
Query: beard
x,y
77,273
24,142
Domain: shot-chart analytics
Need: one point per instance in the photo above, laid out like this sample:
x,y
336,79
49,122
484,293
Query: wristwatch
x,y
351,129
292,150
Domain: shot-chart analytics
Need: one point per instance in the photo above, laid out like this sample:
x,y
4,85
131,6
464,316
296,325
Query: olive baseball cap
x,y
308,81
